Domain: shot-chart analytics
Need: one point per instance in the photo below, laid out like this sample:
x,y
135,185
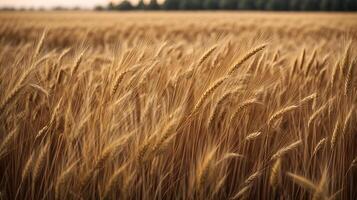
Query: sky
x,y
53,3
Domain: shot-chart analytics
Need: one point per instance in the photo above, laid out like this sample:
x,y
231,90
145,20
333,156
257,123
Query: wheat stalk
x,y
275,173
62,179
13,94
114,181
245,58
252,136
204,169
252,177
77,62
308,99
9,138
335,135
320,192
302,181
241,192
209,91
40,162
40,44
111,149
286,149
316,114
319,145
27,167
347,120
216,107
206,55
349,78
245,104
281,112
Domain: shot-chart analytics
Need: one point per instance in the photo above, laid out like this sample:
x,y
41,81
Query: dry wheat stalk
x,y
9,138
252,136
160,49
347,120
349,77
114,180
320,192
241,193
120,78
335,133
228,156
302,60
354,163
40,44
41,89
12,95
219,185
65,175
216,107
204,169
77,62
40,162
275,173
27,167
308,99
310,62
319,145
111,149
286,149
335,73
209,91
245,58
316,114
281,112
302,181
253,177
166,134
245,104
206,55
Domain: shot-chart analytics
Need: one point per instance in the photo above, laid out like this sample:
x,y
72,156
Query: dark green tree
x,y
153,5
211,4
278,5
124,5
111,6
228,4
246,4
350,5
260,4
311,5
190,5
99,8
171,4
337,5
295,5
325,5
141,5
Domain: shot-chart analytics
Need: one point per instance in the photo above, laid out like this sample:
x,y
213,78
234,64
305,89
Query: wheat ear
x,y
280,113
286,149
275,173
302,181
209,91
245,58
206,55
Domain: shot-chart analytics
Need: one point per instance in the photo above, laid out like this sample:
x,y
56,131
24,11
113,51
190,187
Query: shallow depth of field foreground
x,y
178,106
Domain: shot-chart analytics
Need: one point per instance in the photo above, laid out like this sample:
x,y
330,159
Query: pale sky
x,y
53,3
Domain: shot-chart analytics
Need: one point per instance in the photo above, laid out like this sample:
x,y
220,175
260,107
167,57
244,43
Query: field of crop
x,y
178,105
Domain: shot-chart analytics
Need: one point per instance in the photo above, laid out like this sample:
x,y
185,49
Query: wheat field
x,y
178,105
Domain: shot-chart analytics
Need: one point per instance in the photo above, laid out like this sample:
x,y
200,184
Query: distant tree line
x,y
280,5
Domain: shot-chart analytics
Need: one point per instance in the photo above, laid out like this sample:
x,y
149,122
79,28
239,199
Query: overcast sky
x,y
53,3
